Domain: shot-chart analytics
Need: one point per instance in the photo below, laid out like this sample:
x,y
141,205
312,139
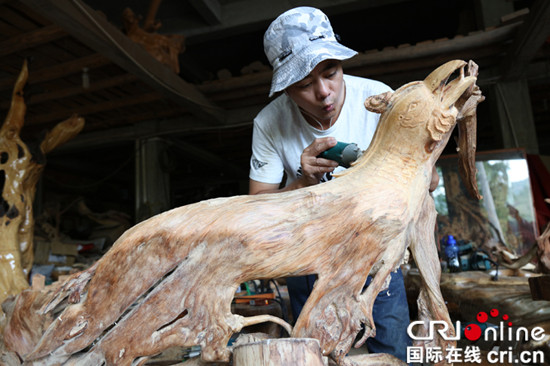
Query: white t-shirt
x,y
281,133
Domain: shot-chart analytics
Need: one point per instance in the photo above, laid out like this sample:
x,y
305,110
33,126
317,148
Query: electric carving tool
x,y
343,153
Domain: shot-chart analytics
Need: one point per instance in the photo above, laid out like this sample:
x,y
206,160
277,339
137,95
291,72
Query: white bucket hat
x,y
296,42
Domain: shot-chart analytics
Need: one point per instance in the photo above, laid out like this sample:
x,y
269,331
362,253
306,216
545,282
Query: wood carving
x,y
19,174
539,252
467,136
465,214
163,47
169,280
543,250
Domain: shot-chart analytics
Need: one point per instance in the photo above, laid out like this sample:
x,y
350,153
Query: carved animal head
x,y
427,104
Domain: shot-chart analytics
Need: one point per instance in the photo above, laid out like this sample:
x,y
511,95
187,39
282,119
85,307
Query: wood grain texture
x,y
543,251
277,352
169,280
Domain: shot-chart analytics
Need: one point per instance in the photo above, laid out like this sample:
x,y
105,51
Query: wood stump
x,y
280,352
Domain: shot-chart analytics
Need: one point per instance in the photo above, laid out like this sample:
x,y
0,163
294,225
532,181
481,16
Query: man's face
x,y
320,94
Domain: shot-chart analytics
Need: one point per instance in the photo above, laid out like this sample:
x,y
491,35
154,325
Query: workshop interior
x,y
116,112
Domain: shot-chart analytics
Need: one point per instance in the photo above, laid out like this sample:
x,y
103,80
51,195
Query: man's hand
x,y
314,168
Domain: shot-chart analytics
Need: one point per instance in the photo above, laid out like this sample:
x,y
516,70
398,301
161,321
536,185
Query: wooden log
x,y
376,359
256,349
279,352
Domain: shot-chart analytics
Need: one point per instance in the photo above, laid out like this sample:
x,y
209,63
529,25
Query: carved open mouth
x,y
449,92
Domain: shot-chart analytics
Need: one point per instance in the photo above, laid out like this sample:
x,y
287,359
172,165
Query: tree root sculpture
x,y
165,48
543,251
169,281
19,174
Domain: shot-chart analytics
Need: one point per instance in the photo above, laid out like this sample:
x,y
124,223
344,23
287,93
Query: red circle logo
x,y
472,332
482,317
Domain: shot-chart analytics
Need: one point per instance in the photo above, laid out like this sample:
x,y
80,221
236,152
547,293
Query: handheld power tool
x,y
343,153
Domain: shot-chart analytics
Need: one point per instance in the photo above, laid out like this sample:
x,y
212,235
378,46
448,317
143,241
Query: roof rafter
x,y
87,26
210,10
31,39
531,36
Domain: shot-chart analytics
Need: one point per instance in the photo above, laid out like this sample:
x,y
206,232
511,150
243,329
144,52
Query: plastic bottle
x,y
451,252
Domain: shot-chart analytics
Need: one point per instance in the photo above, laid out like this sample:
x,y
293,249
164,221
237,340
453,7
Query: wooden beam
x,y
210,10
530,38
406,59
86,25
96,85
139,116
58,71
93,108
476,40
31,39
157,127
238,17
488,13
213,160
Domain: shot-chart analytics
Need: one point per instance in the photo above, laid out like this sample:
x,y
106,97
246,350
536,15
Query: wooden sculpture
x,y
169,280
543,250
539,253
163,47
19,174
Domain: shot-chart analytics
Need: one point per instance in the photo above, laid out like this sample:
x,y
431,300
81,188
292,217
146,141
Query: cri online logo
x,y
473,331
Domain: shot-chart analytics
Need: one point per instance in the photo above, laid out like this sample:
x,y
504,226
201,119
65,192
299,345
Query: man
x,y
320,106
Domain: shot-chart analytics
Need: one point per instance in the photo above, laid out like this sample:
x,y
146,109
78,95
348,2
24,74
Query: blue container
x,y
451,252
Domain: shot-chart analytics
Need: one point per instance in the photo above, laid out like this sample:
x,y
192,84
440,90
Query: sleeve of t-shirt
x,y
265,164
